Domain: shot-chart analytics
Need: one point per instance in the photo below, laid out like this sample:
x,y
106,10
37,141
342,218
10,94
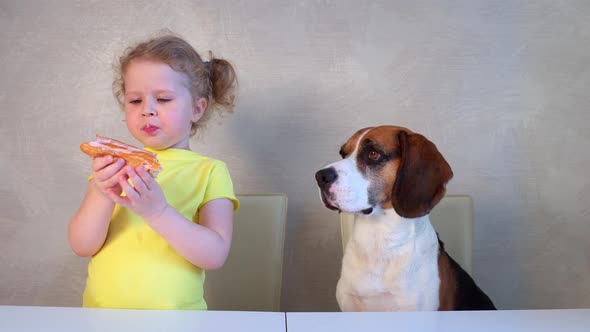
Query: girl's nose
x,y
149,112
149,109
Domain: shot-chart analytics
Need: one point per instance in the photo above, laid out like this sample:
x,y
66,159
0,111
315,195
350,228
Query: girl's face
x,y
159,108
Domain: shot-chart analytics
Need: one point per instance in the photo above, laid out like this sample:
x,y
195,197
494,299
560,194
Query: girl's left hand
x,y
143,196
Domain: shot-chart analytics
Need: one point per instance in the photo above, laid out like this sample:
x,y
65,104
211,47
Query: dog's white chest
x,y
390,264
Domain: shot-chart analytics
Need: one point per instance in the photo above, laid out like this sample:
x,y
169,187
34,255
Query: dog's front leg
x,y
347,301
351,303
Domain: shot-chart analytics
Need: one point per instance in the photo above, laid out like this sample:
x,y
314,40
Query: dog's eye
x,y
374,155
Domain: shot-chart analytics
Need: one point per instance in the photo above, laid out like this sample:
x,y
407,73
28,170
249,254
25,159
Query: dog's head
x,y
385,167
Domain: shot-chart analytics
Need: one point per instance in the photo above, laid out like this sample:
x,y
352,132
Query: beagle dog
x,y
390,178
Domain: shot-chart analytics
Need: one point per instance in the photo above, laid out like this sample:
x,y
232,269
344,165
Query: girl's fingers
x,y
128,189
114,180
110,169
111,182
123,201
115,167
136,180
147,179
99,163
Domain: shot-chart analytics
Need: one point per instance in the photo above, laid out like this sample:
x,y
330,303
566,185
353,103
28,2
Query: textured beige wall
x,y
500,86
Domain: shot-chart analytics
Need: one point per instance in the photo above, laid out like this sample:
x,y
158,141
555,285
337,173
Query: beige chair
x,y
452,218
250,280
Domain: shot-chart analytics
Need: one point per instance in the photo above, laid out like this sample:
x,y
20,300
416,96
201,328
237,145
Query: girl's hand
x,y
106,174
143,196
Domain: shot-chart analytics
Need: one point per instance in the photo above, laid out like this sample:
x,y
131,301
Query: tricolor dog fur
x,y
390,178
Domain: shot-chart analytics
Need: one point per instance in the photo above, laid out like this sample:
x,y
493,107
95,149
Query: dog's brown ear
x,y
421,177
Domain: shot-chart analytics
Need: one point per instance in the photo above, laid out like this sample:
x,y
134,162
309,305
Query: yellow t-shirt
x,y
136,268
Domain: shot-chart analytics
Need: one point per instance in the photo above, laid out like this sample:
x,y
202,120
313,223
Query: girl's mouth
x,y
149,129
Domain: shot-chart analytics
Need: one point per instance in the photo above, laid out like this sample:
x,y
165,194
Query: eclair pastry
x,y
134,156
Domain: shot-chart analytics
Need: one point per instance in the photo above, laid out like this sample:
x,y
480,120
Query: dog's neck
x,y
389,229
394,222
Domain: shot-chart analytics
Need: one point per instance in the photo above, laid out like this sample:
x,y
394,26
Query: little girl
x,y
151,239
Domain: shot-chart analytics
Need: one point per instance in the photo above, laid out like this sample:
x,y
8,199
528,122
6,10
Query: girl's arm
x,y
206,244
88,228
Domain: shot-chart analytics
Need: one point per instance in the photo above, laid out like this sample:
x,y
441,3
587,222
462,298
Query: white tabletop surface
x,y
450,321
20,318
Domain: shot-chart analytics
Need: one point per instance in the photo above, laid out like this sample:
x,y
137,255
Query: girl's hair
x,y
214,80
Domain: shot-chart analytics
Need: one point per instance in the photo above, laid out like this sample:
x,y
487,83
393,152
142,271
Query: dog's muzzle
x,y
325,178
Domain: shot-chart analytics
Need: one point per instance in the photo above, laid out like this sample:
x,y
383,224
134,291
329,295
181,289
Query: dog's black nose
x,y
326,176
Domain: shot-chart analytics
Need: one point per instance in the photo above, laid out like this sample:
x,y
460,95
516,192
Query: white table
x,y
20,318
455,321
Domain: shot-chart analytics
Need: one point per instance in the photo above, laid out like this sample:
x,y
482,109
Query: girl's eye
x,y
374,155
164,100
137,101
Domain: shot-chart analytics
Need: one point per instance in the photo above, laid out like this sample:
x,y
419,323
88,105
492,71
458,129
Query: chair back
x,y
250,279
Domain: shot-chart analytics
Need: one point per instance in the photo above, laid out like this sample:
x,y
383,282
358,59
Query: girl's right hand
x,y
106,174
